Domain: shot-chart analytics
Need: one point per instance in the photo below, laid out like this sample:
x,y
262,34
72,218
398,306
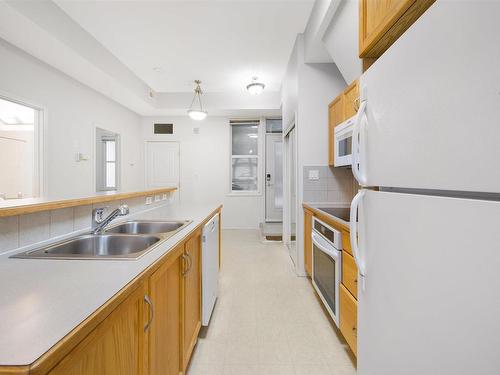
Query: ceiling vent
x,y
163,129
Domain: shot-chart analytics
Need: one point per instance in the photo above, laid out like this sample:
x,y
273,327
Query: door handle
x,y
353,231
355,146
151,312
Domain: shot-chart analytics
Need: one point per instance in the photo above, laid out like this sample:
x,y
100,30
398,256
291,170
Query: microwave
x,y
342,140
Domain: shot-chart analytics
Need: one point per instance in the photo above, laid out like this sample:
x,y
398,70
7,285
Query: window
x,y
244,156
107,159
19,150
274,125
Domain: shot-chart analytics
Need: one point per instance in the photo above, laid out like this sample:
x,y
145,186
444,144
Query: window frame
x,y
103,136
257,156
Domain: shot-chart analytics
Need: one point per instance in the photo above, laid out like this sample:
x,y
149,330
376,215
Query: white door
x,y
162,164
431,304
433,109
274,177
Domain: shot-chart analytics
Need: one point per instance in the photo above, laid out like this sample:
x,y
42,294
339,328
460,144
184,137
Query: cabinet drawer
x,y
349,318
350,274
346,242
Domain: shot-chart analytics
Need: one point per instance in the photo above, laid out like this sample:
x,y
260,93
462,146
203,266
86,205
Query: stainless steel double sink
x,y
127,240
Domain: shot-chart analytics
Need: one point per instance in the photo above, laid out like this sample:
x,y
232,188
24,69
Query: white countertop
x,y
42,300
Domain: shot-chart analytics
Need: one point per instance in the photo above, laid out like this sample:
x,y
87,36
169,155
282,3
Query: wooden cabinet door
x,y
351,100
192,296
349,318
164,332
335,117
350,274
382,22
116,346
308,241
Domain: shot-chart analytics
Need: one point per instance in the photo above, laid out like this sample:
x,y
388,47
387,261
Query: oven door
x,y
326,274
343,143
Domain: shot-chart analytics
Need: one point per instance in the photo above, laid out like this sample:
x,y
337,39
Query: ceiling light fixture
x,y
255,88
193,112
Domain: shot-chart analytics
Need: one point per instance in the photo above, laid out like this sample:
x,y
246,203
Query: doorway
x,y
162,164
274,174
290,189
20,150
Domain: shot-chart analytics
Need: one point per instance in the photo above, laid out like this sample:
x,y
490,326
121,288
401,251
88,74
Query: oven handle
x,y
353,231
356,145
317,240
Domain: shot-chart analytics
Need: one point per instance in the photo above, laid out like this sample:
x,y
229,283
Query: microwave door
x,y
343,144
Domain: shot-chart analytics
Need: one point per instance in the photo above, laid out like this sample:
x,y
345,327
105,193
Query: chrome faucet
x,y
99,223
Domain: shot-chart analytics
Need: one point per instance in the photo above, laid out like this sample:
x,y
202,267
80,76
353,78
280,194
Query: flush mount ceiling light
x,y
197,112
255,88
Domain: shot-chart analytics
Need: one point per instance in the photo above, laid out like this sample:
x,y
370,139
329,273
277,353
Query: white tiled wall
x,y
30,229
335,185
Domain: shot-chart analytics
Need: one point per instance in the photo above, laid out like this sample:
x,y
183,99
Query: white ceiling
x,y
223,43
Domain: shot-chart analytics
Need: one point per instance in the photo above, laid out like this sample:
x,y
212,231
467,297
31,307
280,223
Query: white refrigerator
x,y
425,227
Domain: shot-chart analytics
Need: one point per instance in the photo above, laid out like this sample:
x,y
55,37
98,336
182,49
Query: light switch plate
x,y
149,200
314,174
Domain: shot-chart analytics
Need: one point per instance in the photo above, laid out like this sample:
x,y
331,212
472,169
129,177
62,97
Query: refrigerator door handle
x,y
356,131
353,229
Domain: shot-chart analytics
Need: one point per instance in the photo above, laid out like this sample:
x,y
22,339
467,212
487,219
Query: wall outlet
x,y
157,198
149,200
314,174
164,196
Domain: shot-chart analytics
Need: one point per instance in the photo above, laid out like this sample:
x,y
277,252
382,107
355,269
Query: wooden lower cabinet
x,y
165,330
192,296
349,318
308,215
116,346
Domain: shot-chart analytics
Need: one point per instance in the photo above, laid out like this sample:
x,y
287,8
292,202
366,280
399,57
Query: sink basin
x,y
147,227
103,246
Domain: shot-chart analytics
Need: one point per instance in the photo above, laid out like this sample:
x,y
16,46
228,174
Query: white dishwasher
x,y
210,268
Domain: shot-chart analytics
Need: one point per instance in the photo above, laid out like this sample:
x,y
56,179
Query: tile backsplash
x,y
30,229
332,185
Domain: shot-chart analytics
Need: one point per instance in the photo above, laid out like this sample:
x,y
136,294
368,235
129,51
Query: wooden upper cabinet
x,y
192,296
351,100
117,346
164,332
308,241
335,117
382,22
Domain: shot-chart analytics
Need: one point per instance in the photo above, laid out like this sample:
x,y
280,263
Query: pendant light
x,y
197,113
255,88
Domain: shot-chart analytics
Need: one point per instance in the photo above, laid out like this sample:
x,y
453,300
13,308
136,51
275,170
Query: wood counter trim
x,y
326,218
63,347
34,206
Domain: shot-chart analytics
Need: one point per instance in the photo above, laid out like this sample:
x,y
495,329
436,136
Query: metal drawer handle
x,y
356,104
186,262
151,312
190,263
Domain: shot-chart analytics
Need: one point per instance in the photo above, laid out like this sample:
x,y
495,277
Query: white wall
x,y
307,90
72,111
341,40
204,169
